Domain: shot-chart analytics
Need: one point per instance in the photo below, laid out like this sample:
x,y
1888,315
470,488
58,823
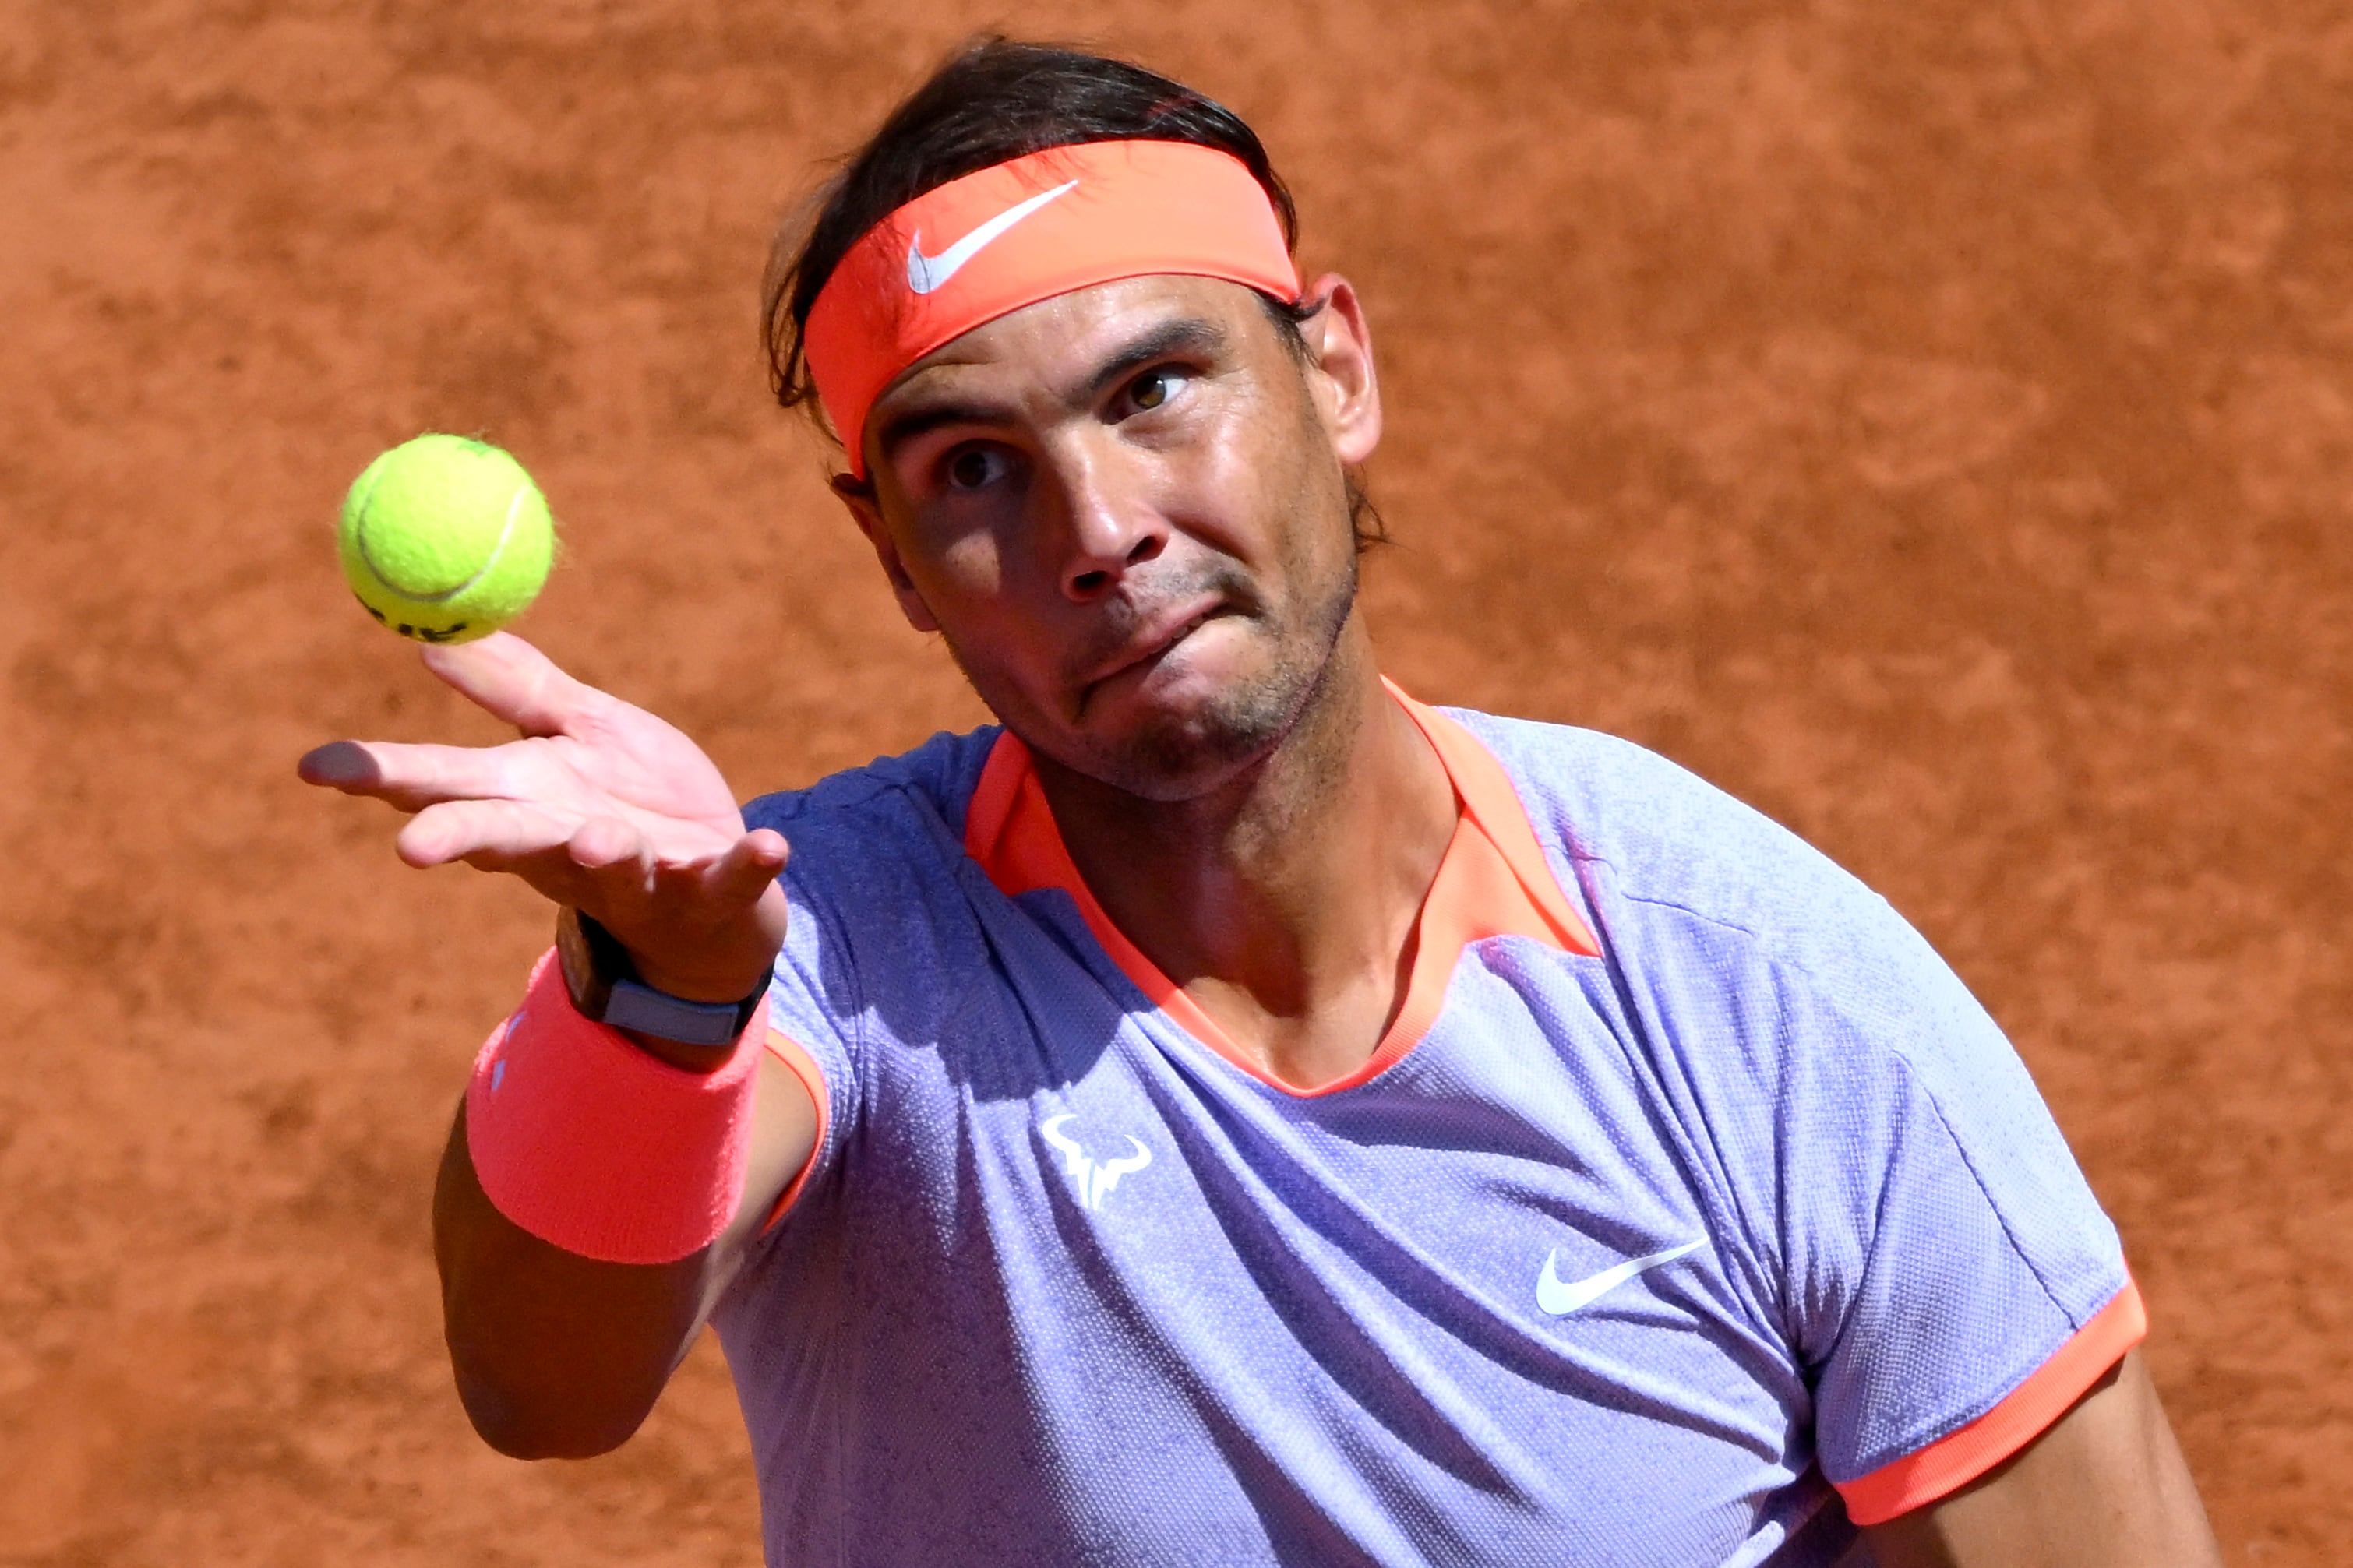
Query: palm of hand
x,y
623,764
600,805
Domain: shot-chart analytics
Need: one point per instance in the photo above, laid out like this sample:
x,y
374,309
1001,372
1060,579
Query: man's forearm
x,y
592,1202
2105,1488
555,1355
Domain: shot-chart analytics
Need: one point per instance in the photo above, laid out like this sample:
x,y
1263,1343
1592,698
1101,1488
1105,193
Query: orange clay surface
x,y
1932,421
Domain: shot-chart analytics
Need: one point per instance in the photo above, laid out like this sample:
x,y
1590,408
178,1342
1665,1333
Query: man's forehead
x,y
1071,334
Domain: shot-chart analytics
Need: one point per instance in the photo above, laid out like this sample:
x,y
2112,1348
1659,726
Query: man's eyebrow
x,y
908,424
1186,335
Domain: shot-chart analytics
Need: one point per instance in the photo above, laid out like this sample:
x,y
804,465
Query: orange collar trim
x,y
1493,881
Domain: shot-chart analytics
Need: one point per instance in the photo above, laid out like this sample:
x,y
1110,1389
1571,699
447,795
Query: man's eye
x,y
1154,388
975,468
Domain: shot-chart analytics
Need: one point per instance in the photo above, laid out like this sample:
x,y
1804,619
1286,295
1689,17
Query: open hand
x,y
599,806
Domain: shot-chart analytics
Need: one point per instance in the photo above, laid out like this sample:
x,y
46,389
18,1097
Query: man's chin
x,y
1201,720
1218,717
1181,750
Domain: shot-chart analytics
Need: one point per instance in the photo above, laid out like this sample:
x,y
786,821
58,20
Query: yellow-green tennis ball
x,y
445,539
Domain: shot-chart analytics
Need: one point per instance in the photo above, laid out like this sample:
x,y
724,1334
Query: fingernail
x,y
336,764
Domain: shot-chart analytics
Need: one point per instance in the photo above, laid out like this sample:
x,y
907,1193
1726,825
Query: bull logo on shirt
x,y
1096,1178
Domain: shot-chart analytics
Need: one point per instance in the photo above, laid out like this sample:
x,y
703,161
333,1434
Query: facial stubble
x,y
1176,756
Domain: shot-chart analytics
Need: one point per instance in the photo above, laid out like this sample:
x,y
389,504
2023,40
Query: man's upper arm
x,y
810,1075
1949,1282
789,1118
2104,1487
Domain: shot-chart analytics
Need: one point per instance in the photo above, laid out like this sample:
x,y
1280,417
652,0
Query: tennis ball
x,y
445,539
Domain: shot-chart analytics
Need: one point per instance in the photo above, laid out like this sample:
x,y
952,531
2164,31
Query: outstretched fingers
x,y
743,874
346,766
411,777
602,842
495,835
509,679
633,872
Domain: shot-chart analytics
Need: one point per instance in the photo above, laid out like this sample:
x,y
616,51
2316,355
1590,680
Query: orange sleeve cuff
x,y
794,1056
2028,1411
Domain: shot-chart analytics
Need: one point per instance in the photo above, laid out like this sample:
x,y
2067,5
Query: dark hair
x,y
990,101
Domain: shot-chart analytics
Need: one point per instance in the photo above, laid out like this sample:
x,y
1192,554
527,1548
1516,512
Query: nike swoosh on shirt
x,y
1560,1297
925,273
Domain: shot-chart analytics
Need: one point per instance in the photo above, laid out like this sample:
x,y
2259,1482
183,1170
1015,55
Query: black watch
x,y
605,988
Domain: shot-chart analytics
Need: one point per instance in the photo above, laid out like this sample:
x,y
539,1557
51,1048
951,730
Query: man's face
x,y
1125,508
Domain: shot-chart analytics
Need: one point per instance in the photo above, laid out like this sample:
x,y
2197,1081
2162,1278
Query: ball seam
x,y
489,562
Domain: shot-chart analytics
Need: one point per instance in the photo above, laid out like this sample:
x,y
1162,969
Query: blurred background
x,y
1934,422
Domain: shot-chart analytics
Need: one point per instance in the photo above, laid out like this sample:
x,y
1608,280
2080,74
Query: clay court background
x,y
1932,421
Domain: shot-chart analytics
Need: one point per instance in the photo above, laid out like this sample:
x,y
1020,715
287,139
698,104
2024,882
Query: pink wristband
x,y
590,1143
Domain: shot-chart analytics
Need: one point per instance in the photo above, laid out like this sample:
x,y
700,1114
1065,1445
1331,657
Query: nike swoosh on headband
x,y
925,273
1559,1297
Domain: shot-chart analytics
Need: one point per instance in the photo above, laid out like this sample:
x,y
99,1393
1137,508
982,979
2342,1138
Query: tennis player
x,y
1231,1113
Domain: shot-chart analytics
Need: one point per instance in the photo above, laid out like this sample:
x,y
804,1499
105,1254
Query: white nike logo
x,y
1560,1297
925,273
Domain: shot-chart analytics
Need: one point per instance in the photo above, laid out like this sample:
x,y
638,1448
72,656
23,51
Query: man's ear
x,y
1340,348
858,497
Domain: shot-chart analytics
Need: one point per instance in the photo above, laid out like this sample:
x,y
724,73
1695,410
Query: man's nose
x,y
1112,521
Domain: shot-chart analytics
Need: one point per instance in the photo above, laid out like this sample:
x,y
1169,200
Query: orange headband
x,y
985,246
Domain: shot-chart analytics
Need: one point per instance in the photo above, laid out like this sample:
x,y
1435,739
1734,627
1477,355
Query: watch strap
x,y
637,1005
602,980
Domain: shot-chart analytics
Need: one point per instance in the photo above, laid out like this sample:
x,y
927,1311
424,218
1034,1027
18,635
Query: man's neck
x,y
1285,901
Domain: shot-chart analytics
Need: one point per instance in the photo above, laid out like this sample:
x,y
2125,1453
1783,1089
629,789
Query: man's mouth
x,y
1142,652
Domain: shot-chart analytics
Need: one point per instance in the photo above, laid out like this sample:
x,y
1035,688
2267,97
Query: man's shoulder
x,y
1771,962
1668,833
1654,844
879,890
935,779
890,815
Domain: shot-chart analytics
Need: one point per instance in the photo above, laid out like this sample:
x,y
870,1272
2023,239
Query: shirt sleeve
x,y
815,1005
1953,1284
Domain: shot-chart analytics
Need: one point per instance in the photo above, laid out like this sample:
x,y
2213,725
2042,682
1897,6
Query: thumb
x,y
743,874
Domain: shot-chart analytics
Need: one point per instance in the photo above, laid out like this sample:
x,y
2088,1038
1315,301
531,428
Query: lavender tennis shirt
x,y
1693,1211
